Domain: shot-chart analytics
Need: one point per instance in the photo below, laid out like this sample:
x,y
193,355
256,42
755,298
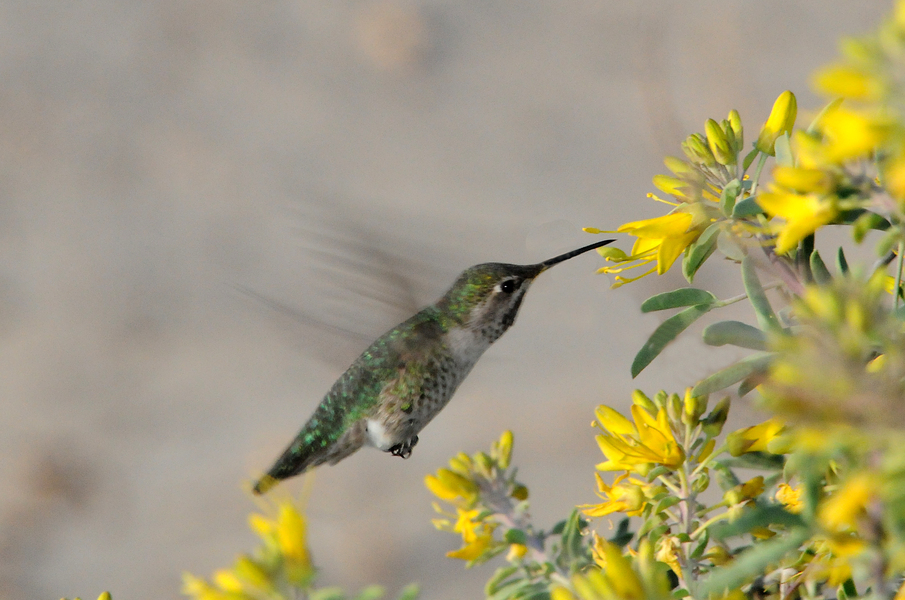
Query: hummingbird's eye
x,y
508,286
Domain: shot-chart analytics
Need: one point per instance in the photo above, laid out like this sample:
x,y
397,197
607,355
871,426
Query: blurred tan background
x,y
208,209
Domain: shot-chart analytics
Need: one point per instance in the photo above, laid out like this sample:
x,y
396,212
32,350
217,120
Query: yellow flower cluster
x,y
845,363
481,489
282,563
619,578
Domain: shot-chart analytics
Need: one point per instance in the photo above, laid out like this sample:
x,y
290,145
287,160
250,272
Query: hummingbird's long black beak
x,y
558,259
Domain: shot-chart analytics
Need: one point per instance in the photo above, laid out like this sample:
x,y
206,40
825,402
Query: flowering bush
x,y
820,509
809,503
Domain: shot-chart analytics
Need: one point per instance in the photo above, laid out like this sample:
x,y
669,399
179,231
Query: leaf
x,y
766,318
762,515
729,195
676,299
667,502
330,593
699,251
372,592
623,534
749,158
573,553
865,223
752,563
748,384
726,244
665,333
725,477
756,363
510,589
784,151
515,536
735,333
756,460
410,592
818,269
498,579
841,263
747,208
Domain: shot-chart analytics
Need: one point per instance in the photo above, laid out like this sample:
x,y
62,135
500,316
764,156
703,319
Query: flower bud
x,y
504,450
698,150
780,121
718,143
640,398
694,408
735,123
678,166
713,423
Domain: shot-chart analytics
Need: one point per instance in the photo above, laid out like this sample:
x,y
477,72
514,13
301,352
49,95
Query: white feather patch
x,y
377,435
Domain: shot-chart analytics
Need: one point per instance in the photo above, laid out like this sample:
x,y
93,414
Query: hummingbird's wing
x,y
369,403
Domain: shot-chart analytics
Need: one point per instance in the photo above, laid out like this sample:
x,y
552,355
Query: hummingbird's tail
x,y
310,449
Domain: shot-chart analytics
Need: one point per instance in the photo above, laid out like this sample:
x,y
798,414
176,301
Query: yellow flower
x,y
629,499
561,593
790,497
847,81
448,485
850,135
634,447
802,180
843,509
803,214
667,548
516,552
477,535
755,438
661,239
286,535
780,121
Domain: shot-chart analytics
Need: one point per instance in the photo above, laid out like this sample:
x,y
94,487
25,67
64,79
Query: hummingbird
x,y
394,389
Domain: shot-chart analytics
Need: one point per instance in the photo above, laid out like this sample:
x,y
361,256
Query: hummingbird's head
x,y
486,298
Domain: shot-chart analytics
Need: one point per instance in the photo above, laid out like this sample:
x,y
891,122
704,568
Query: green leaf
x,y
725,477
515,536
510,589
748,384
766,318
749,158
886,243
727,243
759,516
818,269
752,562
623,534
329,593
784,151
677,299
729,195
372,592
735,333
650,524
747,208
699,251
574,553
665,333
841,263
667,502
734,373
865,223
756,460
498,579
410,592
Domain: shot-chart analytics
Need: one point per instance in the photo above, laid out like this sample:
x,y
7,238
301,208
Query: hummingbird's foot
x,y
404,450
